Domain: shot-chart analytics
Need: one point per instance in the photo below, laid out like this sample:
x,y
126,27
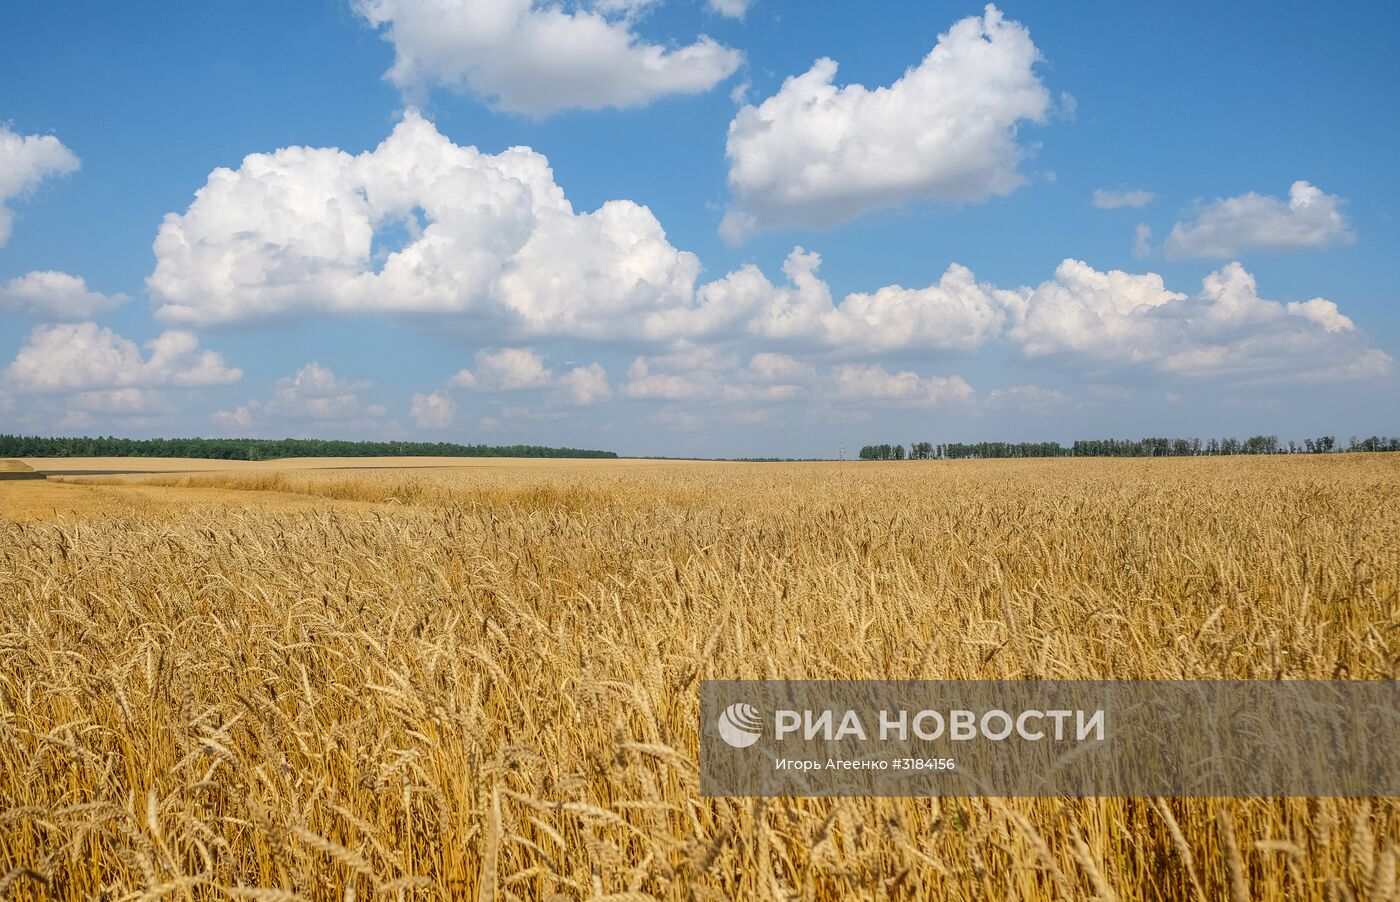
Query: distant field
x,y
478,678
192,464
83,486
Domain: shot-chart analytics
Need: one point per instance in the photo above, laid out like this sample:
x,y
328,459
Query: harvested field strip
x,y
15,469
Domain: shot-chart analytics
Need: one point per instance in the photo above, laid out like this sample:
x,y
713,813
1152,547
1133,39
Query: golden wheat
x,y
483,683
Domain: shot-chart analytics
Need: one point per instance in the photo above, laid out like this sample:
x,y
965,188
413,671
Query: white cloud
x,y
818,154
1107,199
751,392
240,419
869,382
85,356
509,369
533,414
701,372
1367,366
715,386
772,367
626,8
25,161
1026,399
433,411
1091,312
586,385
1229,299
746,301
1308,220
955,314
1323,312
56,296
316,392
294,231
716,391
690,420
538,58
678,420
1142,240
518,369
734,9
313,394
120,401
1224,331
494,243
677,377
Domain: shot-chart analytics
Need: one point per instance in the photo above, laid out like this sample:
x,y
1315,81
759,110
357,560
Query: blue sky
x,y
640,329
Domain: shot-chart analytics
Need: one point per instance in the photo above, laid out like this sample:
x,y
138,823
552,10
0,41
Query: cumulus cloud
x,y
1369,365
1226,330
704,386
1107,199
1026,399
586,385
818,154
509,369
870,382
955,313
56,296
690,372
1226,227
295,231
85,356
518,369
534,57
1323,312
1091,312
734,9
746,301
700,372
316,392
25,161
689,419
433,411
772,367
120,401
1142,241
313,394
714,379
493,242
238,420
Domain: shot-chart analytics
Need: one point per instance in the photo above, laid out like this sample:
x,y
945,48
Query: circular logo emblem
x,y
740,725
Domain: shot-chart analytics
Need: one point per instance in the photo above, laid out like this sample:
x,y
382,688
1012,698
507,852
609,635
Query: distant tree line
x,y
1147,447
265,449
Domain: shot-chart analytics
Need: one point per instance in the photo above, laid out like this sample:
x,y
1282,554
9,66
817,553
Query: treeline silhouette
x,y
1147,447
265,449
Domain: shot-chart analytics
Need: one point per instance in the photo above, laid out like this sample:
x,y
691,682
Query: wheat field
x,y
481,682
